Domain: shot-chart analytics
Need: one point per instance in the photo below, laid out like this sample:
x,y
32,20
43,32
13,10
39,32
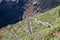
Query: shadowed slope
x,y
10,12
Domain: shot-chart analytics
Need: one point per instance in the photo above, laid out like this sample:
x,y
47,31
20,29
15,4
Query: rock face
x,y
11,11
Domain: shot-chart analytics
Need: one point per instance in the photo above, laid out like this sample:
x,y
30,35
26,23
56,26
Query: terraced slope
x,y
39,26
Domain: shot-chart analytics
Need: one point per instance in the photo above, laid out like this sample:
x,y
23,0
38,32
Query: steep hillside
x,y
39,26
12,11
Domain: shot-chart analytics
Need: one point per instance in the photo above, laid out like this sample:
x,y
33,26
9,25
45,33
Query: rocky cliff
x,y
12,11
